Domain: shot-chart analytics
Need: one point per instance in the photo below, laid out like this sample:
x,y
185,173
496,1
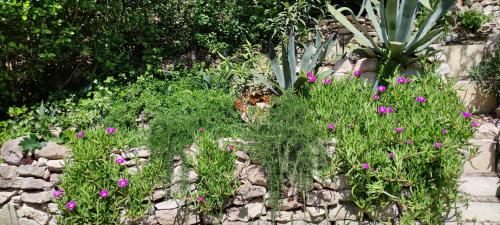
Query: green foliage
x,y
92,170
296,15
30,144
311,60
472,20
395,29
420,179
183,113
37,120
215,169
288,147
51,45
487,73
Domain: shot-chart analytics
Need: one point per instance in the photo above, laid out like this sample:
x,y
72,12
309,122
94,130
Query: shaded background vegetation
x,y
53,45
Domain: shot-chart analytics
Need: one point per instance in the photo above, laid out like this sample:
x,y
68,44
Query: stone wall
x,y
26,189
27,185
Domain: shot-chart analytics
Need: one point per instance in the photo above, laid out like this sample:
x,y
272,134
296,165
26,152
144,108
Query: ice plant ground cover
x,y
410,158
96,187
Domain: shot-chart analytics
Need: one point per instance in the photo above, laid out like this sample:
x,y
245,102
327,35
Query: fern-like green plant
x,y
286,73
394,25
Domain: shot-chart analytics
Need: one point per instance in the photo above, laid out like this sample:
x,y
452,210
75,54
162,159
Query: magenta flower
x,y
110,130
357,73
201,199
401,80
444,131
120,160
365,166
382,109
71,205
391,155
466,115
122,182
310,77
375,97
381,89
201,129
474,124
438,145
231,147
390,109
409,142
58,193
80,134
327,81
331,126
398,130
420,99
104,193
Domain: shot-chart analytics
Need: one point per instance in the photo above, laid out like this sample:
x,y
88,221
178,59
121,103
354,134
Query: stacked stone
x,y
135,158
488,7
26,190
327,201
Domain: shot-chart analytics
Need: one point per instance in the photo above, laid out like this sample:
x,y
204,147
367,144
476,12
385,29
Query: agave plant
x,y
286,74
394,25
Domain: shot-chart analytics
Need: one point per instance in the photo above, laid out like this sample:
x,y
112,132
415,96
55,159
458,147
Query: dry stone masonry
x,y
26,190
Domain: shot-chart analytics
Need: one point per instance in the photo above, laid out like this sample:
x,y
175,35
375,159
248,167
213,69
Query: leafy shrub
x,y
289,148
487,73
398,145
91,182
215,169
31,143
472,20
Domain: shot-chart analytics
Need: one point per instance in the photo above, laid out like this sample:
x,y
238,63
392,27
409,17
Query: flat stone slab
x,y
480,186
484,162
482,212
8,215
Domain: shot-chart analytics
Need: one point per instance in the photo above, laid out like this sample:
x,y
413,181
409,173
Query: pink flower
x,y
382,110
420,99
231,147
201,129
391,155
120,160
201,199
475,124
331,126
401,80
444,131
375,97
357,73
381,89
104,193
365,166
390,109
310,77
58,193
438,145
327,81
409,142
80,134
110,130
123,182
466,115
71,205
398,130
